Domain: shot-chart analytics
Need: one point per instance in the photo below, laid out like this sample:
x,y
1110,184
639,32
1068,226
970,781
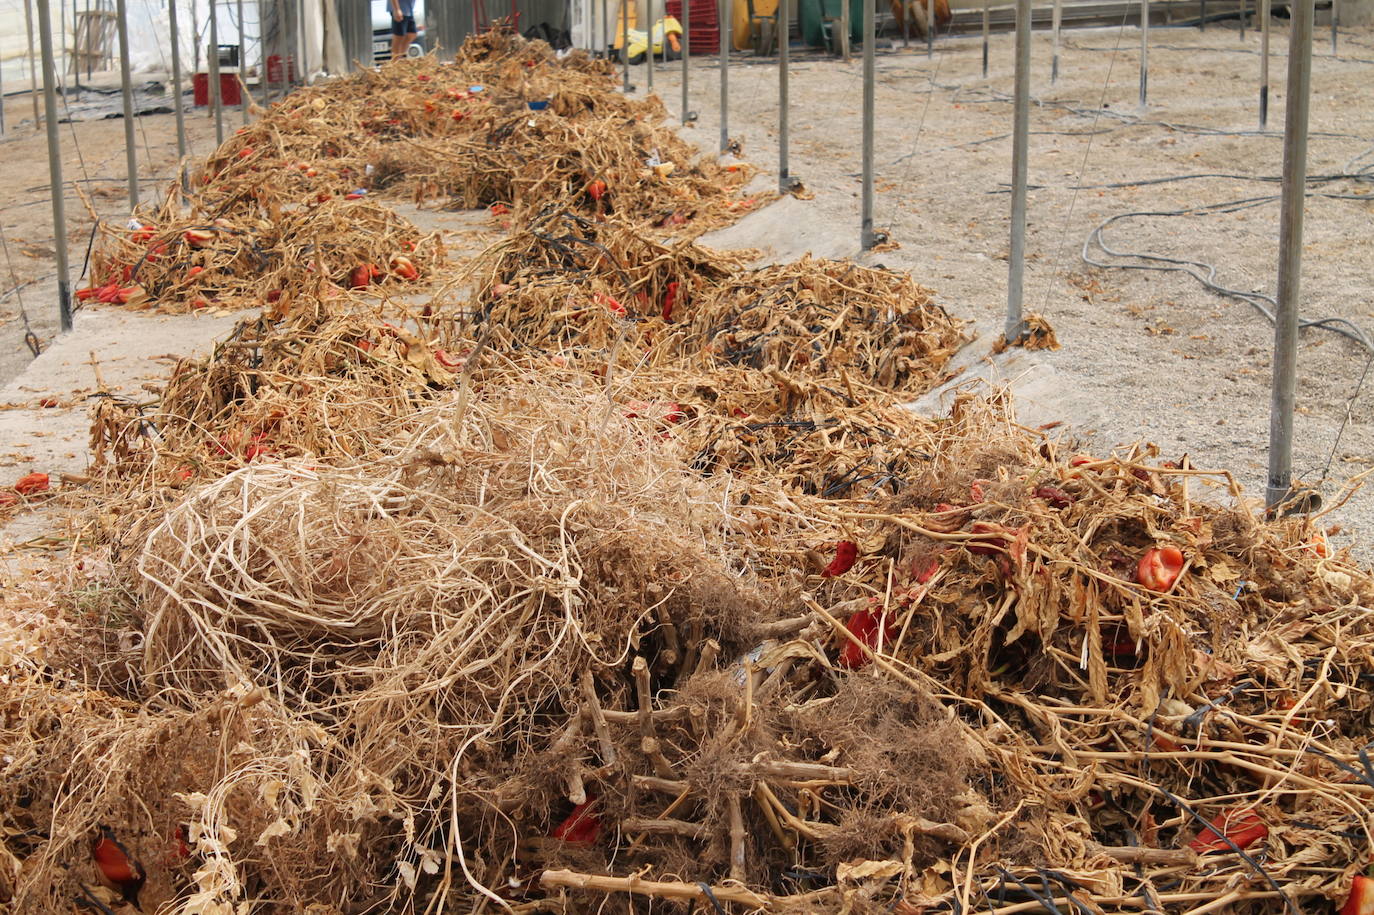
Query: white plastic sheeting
x,y
149,41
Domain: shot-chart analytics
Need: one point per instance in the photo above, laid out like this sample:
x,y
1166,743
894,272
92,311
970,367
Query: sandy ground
x,y
93,162
1145,355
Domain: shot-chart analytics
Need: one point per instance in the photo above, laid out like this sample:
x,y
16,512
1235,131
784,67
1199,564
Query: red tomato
x,y
404,267
1243,827
865,625
1361,898
582,825
32,484
669,300
1159,568
360,276
846,552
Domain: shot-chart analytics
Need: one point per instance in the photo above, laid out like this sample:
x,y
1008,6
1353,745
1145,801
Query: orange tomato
x,y
1159,568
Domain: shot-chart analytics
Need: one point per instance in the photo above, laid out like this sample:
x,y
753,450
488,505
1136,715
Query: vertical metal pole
x,y
176,81
1335,21
243,65
33,61
1020,150
264,52
216,108
288,53
59,215
1202,16
930,28
1242,20
126,85
987,30
1144,52
866,239
1290,252
1058,19
725,13
649,47
625,39
686,54
1264,64
89,49
844,28
784,52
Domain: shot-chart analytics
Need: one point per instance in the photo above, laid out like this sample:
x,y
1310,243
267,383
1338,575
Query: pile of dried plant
x,y
631,574
187,259
294,192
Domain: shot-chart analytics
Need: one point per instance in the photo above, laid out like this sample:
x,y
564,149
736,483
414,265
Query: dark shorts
x,y
404,26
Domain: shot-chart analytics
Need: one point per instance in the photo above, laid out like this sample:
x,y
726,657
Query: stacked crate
x,y
703,32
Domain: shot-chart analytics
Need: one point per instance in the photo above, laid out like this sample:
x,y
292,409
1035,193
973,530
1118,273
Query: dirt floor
x,y
93,161
1145,354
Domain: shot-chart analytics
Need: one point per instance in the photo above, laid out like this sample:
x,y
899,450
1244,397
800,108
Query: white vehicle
x,y
381,30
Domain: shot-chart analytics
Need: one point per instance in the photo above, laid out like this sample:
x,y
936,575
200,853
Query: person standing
x,y
402,27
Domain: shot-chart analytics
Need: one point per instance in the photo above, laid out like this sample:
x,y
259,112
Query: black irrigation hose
x,y
1251,862
1204,272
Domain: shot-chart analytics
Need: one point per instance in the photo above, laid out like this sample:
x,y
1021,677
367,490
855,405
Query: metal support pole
x,y
216,105
263,52
59,215
1202,16
1057,19
649,46
1144,52
1290,252
625,39
784,52
127,90
845,27
987,30
243,65
725,12
686,55
288,79
930,28
1335,21
176,80
33,61
1242,20
1020,153
1264,63
866,239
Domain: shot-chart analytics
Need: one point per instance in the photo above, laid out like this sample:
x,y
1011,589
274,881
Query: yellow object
x,y
638,39
619,22
741,38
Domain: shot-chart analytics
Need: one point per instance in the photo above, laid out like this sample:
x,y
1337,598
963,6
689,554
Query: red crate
x,y
274,69
228,89
703,32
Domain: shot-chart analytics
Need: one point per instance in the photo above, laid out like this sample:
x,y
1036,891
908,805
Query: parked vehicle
x,y
381,31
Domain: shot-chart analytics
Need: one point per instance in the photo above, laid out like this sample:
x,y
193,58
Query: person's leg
x,y
398,38
409,37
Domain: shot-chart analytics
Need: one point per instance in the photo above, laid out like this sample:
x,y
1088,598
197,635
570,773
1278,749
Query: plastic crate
x,y
228,89
703,31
